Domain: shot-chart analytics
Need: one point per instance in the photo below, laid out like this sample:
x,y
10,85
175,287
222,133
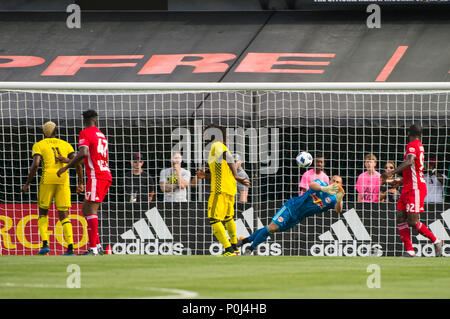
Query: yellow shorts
x,y
220,206
59,192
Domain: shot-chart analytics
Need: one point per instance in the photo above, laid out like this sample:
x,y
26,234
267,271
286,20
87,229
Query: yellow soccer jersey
x,y
49,149
222,179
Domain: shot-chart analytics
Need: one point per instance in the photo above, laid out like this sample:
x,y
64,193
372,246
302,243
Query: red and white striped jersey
x,y
413,176
96,163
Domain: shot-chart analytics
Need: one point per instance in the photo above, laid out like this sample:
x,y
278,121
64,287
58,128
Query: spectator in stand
x,y
314,173
369,182
242,189
435,183
139,187
174,181
389,190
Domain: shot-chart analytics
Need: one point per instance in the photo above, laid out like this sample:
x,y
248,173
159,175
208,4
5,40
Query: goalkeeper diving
x,y
318,199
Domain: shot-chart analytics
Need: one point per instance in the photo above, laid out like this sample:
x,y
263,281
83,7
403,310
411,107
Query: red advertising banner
x,y
19,232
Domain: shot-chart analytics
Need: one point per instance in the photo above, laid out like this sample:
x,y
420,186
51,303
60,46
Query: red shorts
x,y
96,189
411,200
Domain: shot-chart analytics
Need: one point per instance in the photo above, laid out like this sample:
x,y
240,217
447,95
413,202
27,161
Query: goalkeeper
x,y
318,199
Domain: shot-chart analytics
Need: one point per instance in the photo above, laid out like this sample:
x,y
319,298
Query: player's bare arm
x,y
84,151
202,174
32,173
339,198
406,164
79,170
232,165
63,159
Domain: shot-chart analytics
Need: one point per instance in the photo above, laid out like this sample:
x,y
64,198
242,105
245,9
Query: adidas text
x,y
264,249
340,249
427,250
148,248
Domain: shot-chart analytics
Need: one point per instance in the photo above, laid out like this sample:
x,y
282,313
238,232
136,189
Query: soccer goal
x,y
267,124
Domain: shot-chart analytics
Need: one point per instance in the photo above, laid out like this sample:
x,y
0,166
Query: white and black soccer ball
x,y
304,159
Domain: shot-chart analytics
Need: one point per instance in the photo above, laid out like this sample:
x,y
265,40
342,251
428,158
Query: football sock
x,y
67,229
245,241
260,237
92,221
423,230
219,232
43,227
231,230
405,235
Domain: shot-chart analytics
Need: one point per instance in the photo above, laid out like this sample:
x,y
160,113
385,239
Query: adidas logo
x,y
241,230
144,232
438,229
264,249
341,231
342,234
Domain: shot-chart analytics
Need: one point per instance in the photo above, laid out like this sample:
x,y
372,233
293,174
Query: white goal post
x,y
267,124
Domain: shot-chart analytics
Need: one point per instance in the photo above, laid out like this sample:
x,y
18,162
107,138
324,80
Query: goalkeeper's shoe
x,y
248,251
331,189
44,251
241,241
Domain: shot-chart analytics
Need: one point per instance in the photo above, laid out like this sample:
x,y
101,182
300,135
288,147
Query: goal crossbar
x,y
213,86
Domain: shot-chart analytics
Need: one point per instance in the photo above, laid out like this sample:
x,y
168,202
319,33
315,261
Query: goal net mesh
x,y
266,128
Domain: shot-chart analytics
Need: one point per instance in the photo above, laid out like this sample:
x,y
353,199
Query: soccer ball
x,y
304,159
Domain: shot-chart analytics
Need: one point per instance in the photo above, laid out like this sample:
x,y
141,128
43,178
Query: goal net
x,y
266,127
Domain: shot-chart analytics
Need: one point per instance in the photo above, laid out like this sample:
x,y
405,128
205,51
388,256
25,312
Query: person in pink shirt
x,y
313,174
369,182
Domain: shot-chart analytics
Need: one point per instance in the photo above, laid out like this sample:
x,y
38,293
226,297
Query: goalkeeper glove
x,y
340,194
331,189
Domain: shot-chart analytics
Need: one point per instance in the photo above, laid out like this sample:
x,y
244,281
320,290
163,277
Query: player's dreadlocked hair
x,y
221,128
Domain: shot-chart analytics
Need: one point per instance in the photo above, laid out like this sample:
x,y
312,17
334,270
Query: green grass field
x,y
233,277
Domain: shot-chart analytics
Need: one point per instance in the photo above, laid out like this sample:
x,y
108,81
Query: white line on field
x,y
175,293
178,293
10,284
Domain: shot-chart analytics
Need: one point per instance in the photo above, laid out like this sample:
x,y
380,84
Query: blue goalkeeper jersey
x,y
311,203
297,209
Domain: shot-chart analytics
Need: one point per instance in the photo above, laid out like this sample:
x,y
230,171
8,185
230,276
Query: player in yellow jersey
x,y
223,175
53,153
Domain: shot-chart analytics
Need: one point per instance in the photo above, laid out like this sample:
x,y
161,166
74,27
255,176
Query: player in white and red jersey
x,y
93,148
411,201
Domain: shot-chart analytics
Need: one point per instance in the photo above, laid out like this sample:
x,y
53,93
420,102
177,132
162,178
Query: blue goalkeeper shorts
x,y
285,219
